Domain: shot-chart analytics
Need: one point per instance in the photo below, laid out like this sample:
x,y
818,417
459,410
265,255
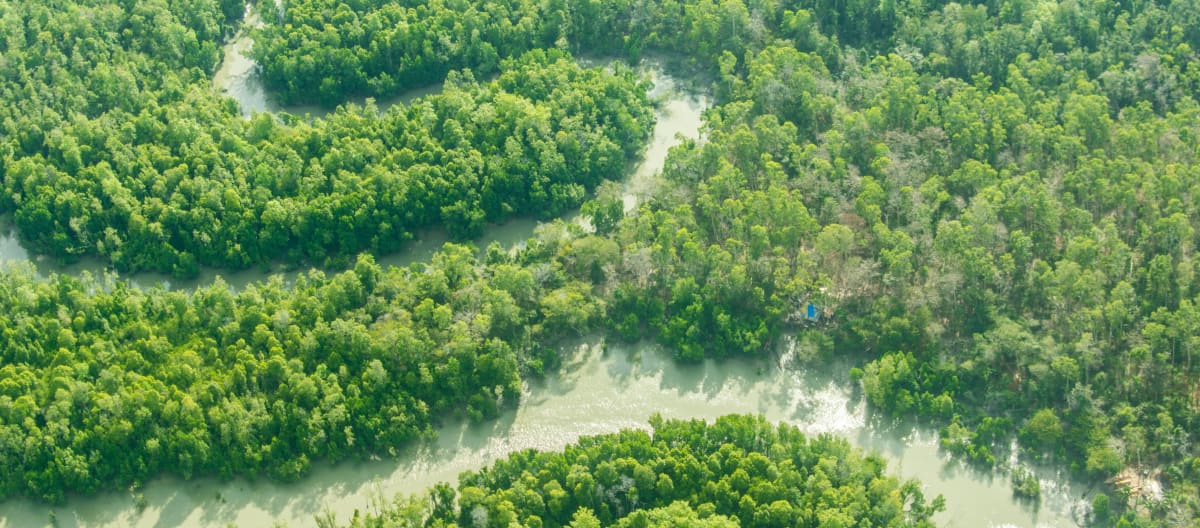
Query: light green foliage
x,y
1043,430
677,515
1025,484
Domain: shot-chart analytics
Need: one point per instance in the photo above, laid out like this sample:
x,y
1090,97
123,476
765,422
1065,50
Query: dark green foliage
x,y
738,471
386,47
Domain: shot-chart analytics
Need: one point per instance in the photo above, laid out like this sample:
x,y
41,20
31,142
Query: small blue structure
x,y
812,312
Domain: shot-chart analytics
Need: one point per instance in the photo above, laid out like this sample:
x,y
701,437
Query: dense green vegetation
x,y
102,384
738,471
322,50
988,200
996,203
386,47
119,149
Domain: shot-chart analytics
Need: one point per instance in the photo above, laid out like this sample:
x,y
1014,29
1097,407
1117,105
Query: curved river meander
x,y
600,389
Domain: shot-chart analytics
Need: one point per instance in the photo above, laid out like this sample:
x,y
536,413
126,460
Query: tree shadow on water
x,y
575,358
737,377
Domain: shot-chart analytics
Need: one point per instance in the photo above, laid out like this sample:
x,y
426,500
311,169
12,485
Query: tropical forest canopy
x,y
994,203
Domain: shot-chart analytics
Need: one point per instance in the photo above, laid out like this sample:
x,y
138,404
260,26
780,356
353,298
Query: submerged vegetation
x,y
995,203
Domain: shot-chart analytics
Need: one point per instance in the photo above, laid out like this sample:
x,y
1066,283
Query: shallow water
x,y
599,390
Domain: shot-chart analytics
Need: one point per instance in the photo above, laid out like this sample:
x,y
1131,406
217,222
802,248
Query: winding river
x,y
600,389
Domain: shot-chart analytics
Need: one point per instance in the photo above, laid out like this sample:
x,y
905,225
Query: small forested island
x,y
738,471
990,208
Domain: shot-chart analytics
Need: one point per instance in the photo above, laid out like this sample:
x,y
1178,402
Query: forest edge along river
x,y
678,114
600,389
238,77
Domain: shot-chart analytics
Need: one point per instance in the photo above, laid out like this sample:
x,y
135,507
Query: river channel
x,y
600,389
